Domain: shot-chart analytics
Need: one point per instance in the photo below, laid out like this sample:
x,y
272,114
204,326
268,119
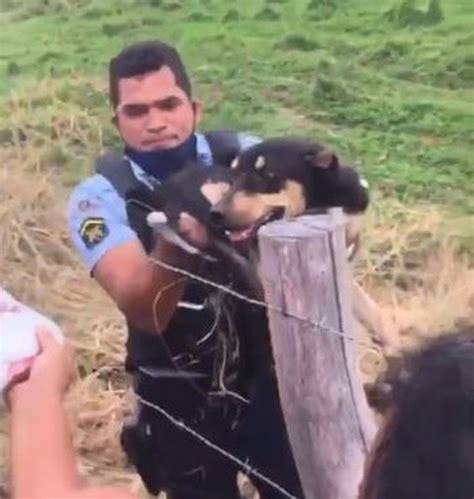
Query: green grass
x,y
387,83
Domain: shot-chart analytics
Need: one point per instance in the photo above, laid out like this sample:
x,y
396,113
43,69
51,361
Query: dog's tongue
x,y
241,234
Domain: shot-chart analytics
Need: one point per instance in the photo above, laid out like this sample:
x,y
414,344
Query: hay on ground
x,y
413,262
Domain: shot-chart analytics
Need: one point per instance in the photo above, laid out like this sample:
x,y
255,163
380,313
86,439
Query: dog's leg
x,y
375,319
366,311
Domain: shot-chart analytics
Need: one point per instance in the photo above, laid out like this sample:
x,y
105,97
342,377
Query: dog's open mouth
x,y
244,234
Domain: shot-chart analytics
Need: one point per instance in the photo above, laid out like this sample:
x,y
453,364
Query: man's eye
x,y
170,104
135,110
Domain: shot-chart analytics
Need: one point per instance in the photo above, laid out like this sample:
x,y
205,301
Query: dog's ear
x,y
322,158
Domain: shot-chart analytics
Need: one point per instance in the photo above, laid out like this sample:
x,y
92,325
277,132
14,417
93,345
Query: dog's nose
x,y
217,217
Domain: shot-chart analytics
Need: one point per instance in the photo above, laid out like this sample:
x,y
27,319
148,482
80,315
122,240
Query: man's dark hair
x,y
141,58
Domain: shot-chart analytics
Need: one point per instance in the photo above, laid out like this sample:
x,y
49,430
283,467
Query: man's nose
x,y
155,122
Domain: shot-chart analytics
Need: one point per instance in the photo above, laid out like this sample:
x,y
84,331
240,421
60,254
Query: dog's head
x,y
286,177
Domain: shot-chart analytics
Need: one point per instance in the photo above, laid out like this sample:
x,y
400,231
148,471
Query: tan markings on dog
x,y
246,208
214,191
320,159
353,229
193,230
376,319
296,198
260,163
324,159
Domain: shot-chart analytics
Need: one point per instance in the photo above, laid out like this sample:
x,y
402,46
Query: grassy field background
x,y
388,83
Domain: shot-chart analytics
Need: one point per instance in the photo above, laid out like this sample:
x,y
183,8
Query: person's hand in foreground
x,y
43,460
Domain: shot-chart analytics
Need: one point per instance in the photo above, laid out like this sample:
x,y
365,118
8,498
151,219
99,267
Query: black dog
x,y
285,178
213,210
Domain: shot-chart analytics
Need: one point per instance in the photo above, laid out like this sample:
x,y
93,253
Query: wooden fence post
x,y
305,272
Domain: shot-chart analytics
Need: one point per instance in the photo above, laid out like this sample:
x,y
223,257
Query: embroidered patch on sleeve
x,y
93,231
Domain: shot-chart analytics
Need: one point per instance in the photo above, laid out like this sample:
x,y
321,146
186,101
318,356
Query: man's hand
x,y
51,372
194,231
190,235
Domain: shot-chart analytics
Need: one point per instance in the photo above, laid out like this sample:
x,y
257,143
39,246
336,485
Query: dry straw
x,y
39,266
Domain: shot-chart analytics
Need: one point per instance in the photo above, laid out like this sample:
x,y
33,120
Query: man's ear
x,y
322,158
198,110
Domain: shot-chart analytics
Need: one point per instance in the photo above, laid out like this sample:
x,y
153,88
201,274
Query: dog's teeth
x,y
227,233
363,182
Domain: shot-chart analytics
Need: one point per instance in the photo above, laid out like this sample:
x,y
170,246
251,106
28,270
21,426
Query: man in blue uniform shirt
x,y
175,351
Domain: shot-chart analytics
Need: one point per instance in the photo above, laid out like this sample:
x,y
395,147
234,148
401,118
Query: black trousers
x,y
170,459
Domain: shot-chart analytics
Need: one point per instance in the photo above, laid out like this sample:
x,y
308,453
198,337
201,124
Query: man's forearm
x,y
42,454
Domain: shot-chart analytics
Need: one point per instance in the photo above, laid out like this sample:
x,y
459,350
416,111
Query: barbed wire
x,y
259,303
243,465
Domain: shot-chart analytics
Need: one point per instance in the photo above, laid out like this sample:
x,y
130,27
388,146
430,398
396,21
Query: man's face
x,y
153,112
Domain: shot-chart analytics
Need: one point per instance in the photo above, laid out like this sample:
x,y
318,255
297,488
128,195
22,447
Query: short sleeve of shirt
x,y
97,219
